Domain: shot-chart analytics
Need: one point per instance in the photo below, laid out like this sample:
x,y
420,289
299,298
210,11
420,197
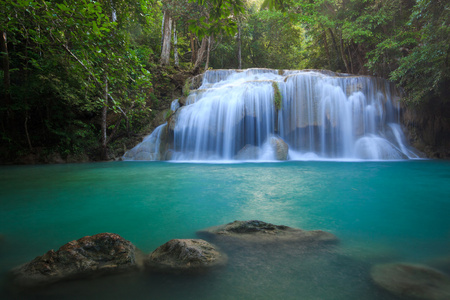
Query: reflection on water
x,y
382,212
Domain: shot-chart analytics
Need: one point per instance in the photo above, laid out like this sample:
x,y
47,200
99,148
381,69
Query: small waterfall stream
x,y
234,115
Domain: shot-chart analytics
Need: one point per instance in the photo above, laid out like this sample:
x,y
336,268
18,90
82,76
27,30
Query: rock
x,y
89,256
185,255
410,280
248,152
428,127
440,263
354,87
259,231
174,118
196,82
280,147
55,158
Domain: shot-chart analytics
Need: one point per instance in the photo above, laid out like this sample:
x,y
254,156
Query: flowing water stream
x,y
381,212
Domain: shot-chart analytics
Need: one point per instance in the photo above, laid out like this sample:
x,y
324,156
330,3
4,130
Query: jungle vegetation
x,y
85,77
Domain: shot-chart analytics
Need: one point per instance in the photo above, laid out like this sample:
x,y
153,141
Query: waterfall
x,y
234,115
149,149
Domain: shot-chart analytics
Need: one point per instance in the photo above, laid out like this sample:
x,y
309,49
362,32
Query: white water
x,y
323,116
149,148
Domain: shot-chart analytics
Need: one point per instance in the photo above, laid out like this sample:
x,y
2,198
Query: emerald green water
x,y
381,212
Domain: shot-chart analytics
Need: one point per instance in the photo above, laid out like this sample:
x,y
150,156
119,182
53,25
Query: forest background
x,y
86,80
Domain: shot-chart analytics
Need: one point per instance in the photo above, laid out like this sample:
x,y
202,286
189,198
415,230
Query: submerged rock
x,y
414,281
99,254
440,263
259,231
185,255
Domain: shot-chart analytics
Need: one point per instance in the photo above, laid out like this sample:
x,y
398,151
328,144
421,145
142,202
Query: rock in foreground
x,y
89,256
413,281
259,231
185,255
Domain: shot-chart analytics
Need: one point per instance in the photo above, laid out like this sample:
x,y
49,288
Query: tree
x,y
424,71
71,59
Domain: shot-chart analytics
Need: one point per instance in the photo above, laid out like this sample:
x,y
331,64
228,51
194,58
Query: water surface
x,y
381,212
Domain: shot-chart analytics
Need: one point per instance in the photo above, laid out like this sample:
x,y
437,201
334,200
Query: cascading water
x,y
235,115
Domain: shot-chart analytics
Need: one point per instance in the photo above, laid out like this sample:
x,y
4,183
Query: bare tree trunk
x,y
200,54
175,44
344,59
193,49
6,77
239,48
351,60
333,39
165,51
210,41
162,30
104,114
26,131
358,51
326,48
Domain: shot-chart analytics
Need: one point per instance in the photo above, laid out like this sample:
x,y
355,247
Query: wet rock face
x,y
185,255
248,152
429,127
413,281
89,256
259,231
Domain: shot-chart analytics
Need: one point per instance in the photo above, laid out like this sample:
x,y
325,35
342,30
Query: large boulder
x,y
259,231
280,148
412,281
185,255
95,255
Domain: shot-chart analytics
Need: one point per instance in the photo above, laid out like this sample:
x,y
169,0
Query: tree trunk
x,y
165,51
26,131
333,39
104,153
5,64
344,59
162,30
175,44
201,54
210,41
362,70
193,49
351,60
239,48
325,42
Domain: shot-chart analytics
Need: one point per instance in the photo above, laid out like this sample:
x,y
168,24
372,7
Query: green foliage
x,y
219,19
269,40
168,115
277,99
187,88
425,71
62,54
